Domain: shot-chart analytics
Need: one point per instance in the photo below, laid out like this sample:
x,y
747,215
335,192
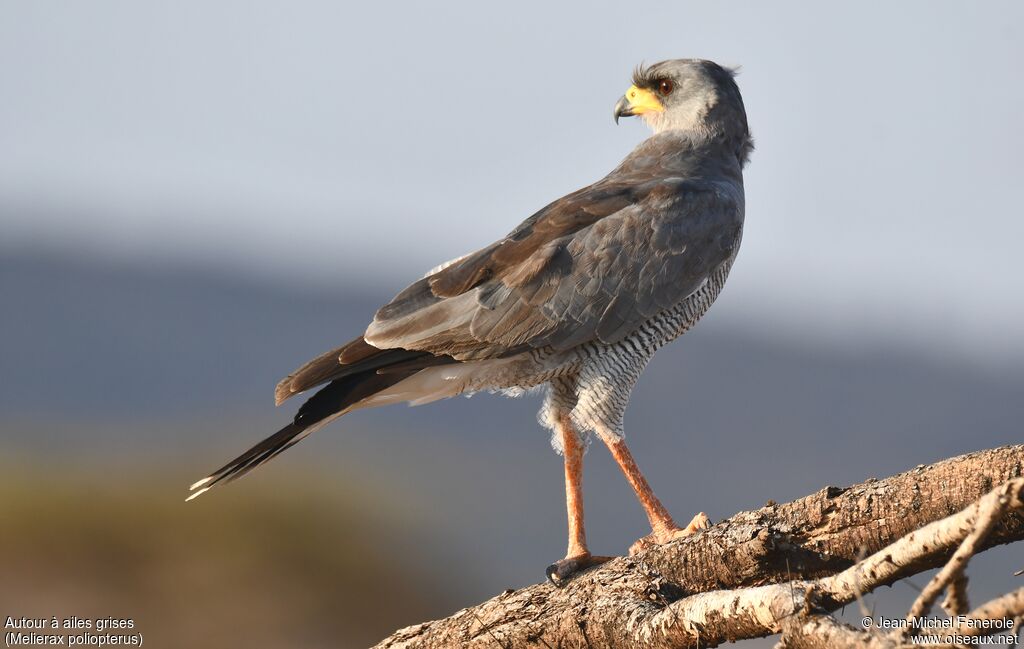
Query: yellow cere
x,y
643,101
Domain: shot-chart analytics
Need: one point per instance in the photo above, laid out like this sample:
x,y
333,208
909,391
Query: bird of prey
x,y
575,300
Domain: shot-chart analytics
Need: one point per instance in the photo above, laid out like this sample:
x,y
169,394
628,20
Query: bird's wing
x,y
594,265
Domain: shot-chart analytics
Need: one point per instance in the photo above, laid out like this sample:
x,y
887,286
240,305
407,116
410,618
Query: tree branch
x,y
983,518
726,582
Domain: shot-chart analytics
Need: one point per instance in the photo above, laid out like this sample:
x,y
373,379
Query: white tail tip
x,y
200,483
197,494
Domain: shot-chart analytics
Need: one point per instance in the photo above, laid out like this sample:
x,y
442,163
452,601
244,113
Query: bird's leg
x,y
663,528
573,453
577,557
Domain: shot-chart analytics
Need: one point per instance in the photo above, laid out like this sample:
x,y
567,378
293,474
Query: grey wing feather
x,y
640,262
599,282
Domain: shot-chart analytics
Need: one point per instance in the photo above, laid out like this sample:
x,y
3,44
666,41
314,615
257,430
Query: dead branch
x,y
983,517
824,631
956,602
1006,607
729,582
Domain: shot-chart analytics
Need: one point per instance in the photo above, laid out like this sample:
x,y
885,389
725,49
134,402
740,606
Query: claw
x,y
560,572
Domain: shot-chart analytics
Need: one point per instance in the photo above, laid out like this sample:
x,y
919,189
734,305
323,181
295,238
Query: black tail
x,y
249,460
332,400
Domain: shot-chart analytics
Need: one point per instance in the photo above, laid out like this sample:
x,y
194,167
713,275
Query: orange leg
x,y
663,528
577,556
573,452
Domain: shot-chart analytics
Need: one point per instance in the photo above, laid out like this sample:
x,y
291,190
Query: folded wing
x,y
593,266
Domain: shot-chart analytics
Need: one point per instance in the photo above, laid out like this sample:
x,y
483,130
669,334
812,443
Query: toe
x,y
642,544
562,571
699,522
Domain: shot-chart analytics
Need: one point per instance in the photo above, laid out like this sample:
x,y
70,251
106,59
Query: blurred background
x,y
197,197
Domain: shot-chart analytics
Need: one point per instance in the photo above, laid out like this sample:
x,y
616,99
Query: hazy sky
x,y
332,142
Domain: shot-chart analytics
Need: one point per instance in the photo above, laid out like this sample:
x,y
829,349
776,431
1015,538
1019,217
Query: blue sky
x,y
330,143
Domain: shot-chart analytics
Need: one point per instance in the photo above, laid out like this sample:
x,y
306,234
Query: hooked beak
x,y
622,109
637,101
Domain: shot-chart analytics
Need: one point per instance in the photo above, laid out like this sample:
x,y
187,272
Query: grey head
x,y
692,95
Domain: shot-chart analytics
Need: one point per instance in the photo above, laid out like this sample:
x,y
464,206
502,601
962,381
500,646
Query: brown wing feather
x,y
592,266
561,218
354,357
315,372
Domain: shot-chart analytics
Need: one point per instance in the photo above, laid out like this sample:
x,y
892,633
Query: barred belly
x,y
592,383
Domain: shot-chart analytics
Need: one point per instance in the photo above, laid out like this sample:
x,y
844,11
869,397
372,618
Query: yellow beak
x,y
637,101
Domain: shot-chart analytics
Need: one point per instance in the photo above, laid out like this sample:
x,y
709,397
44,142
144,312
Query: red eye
x,y
665,87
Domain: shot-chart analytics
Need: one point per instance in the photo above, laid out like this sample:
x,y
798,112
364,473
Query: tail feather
x,y
355,357
333,400
255,456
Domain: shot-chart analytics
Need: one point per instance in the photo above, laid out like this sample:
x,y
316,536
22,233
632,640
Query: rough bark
x,y
778,568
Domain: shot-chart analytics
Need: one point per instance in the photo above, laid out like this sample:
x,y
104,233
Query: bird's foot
x,y
670,533
560,572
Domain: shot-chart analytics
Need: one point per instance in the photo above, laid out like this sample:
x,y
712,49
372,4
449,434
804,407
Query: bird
x,y
573,302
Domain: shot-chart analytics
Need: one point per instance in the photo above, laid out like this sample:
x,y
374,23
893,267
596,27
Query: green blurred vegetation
x,y
294,560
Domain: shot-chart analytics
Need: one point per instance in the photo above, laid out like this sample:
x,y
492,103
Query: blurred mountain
x,y
83,339
132,365
221,574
